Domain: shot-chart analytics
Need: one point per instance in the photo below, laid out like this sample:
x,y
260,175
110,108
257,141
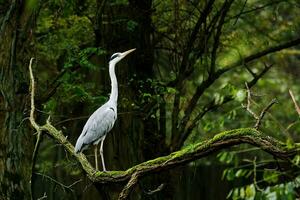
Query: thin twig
x,y
254,175
31,118
249,102
43,197
158,189
263,112
129,186
69,187
241,12
295,102
256,77
32,91
250,70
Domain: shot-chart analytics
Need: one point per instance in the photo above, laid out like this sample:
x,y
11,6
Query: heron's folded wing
x,y
100,122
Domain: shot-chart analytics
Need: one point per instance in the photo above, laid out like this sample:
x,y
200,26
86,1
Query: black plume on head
x,y
113,56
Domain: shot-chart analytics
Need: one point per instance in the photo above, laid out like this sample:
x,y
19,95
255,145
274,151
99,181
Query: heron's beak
x,y
127,52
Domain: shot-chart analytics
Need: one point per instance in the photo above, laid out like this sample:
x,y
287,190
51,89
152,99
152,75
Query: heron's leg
x,y
96,159
101,153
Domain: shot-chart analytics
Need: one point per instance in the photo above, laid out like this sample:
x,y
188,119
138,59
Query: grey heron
x,y
103,119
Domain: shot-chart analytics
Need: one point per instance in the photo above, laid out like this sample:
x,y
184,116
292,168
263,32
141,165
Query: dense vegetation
x,y
208,104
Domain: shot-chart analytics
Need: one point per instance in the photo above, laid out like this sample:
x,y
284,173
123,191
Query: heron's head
x,y
116,57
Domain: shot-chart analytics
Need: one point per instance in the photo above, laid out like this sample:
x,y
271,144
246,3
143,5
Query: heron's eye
x,y
114,56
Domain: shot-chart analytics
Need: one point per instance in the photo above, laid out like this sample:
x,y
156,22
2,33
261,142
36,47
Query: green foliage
x,y
271,176
276,192
247,193
131,25
81,57
65,44
60,36
31,4
119,2
226,157
50,105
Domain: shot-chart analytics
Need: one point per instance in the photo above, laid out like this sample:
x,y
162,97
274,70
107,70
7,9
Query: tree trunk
x,y
16,140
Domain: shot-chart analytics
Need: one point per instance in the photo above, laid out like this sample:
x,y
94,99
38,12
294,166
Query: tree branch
x,y
256,77
51,130
129,187
31,118
224,10
191,40
263,112
212,78
262,53
159,188
295,102
247,107
236,17
212,106
186,155
6,19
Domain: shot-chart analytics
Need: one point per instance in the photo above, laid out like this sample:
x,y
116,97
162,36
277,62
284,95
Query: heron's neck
x,y
114,83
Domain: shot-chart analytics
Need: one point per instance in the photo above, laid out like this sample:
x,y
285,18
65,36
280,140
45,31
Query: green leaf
x,y
240,173
296,160
250,192
270,176
171,90
235,194
271,196
229,194
240,95
290,143
230,175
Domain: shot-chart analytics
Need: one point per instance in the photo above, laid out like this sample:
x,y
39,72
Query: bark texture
x,y
16,141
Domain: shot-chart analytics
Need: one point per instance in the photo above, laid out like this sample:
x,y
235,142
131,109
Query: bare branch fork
x,y
259,117
212,104
193,152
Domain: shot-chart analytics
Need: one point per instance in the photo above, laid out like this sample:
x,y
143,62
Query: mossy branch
x,y
190,153
52,131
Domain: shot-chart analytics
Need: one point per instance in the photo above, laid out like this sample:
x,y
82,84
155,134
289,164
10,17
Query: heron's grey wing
x,y
99,123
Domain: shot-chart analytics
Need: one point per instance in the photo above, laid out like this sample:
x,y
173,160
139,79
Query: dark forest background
x,y
200,68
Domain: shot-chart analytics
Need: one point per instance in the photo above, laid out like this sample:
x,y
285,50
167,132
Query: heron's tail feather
x,y
78,146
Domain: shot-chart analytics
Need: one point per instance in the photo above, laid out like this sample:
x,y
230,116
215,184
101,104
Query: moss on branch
x,y
187,154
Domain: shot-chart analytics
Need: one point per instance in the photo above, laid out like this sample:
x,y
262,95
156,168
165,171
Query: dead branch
x,y
185,132
295,102
31,118
212,78
129,187
224,10
263,112
247,107
186,155
256,77
51,130
159,188
32,91
262,53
